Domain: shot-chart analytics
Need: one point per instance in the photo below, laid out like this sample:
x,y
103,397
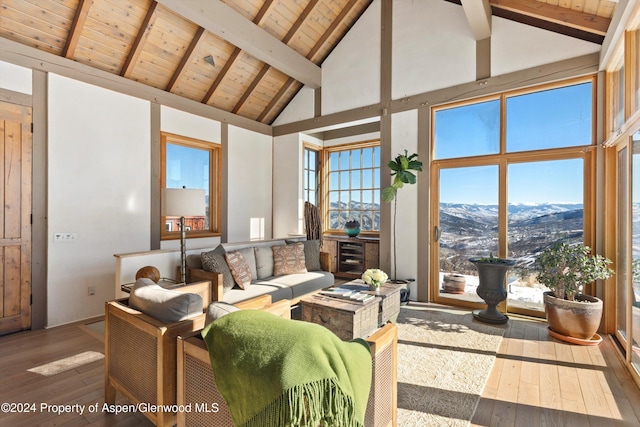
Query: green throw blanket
x,y
279,372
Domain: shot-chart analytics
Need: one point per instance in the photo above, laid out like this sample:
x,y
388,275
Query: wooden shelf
x,y
351,255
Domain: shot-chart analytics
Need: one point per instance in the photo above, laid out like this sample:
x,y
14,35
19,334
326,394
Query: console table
x,y
351,256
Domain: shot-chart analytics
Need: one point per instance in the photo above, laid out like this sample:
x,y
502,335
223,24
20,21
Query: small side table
x,y
164,282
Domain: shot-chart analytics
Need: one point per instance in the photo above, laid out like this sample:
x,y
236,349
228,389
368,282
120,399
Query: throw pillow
x,y
311,253
218,309
288,259
214,261
165,305
250,257
239,267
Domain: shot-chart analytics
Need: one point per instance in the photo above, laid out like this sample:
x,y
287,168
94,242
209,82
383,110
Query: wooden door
x,y
15,218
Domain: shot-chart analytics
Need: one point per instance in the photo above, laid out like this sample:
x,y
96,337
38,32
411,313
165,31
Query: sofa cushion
x,y
277,291
311,253
214,261
300,284
218,309
165,305
288,259
239,268
264,261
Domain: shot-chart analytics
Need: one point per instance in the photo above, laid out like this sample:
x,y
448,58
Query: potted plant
x,y
491,274
375,278
565,269
452,283
403,169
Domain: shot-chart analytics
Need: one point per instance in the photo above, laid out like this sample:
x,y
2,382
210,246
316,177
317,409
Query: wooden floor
x,y
540,381
535,381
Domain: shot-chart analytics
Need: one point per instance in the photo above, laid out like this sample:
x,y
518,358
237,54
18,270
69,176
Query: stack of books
x,y
347,294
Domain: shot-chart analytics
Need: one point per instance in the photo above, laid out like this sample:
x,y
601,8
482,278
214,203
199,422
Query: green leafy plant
x,y
403,169
565,269
493,260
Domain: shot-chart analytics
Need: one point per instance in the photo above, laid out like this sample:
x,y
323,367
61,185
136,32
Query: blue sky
x,y
553,118
187,167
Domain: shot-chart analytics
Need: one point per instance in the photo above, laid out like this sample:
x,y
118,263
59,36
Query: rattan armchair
x,y
140,354
198,392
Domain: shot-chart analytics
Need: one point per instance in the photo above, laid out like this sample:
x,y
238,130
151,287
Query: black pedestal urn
x,y
491,273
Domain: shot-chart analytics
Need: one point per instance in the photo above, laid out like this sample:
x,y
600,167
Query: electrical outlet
x,y
65,237
91,290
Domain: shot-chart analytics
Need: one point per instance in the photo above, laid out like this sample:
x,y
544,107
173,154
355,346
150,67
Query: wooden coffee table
x,y
348,319
389,298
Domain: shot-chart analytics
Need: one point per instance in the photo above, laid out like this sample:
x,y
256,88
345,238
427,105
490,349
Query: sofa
x,y
284,269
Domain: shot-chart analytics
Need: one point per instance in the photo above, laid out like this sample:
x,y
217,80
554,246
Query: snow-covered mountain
x,y
472,230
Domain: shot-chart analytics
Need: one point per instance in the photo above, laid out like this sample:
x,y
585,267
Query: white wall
x,y
189,125
517,47
300,108
351,74
287,183
14,77
352,139
404,136
433,47
250,181
99,186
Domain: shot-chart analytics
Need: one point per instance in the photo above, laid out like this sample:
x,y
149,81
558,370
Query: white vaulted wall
x,y
99,190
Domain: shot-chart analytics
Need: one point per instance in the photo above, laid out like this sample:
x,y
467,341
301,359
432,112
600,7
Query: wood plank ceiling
x,y
150,42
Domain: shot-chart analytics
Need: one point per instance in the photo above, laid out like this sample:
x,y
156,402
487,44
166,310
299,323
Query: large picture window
x,y
190,163
512,175
353,186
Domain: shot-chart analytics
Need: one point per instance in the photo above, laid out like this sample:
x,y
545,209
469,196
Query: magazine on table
x,y
347,294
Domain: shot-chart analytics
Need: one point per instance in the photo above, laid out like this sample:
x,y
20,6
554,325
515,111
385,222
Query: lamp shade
x,y
183,202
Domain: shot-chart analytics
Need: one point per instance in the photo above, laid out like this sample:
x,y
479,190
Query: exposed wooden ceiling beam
x,y
258,20
559,15
82,11
221,75
225,22
256,81
186,59
31,57
549,26
332,29
290,34
137,46
311,55
274,101
479,17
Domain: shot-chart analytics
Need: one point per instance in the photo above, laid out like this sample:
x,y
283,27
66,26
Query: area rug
x,y
444,360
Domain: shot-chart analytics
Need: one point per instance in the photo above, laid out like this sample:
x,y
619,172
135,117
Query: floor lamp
x,y
183,202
